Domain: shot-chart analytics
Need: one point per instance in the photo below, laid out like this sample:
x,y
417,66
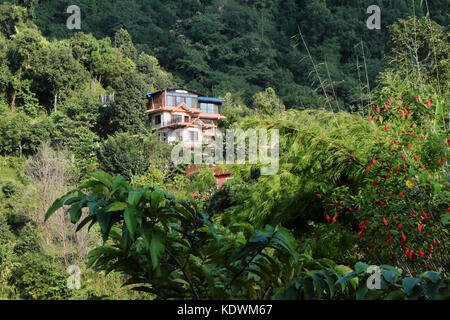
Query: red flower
x,y
422,137
385,222
421,252
419,228
403,156
386,107
386,127
374,161
429,103
425,215
388,240
374,182
367,168
414,211
404,131
328,218
415,158
388,176
403,236
399,226
334,218
411,134
434,243
369,118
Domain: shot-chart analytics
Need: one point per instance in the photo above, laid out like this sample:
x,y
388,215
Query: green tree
x,y
127,113
57,70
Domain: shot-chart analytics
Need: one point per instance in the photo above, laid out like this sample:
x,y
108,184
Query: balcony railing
x,y
170,122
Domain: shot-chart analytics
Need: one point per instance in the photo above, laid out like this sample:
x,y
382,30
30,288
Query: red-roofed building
x,y
220,175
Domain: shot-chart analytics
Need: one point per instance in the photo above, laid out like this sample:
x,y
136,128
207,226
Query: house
x,y
183,115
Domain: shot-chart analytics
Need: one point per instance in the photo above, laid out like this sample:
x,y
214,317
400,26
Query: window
x,y
209,108
170,100
186,119
177,118
179,99
158,119
193,135
189,102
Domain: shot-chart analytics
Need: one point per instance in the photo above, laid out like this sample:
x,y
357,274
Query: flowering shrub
x,y
401,211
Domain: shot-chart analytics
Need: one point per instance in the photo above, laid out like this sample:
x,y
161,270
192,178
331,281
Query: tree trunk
x,y
55,102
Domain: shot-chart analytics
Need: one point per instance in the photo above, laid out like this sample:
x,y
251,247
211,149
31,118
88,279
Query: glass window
x,y
170,100
179,99
210,108
186,119
189,102
158,119
177,118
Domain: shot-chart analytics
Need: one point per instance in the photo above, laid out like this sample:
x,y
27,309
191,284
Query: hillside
x,y
245,47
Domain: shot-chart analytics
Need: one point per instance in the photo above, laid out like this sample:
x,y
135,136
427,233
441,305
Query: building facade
x,y
183,115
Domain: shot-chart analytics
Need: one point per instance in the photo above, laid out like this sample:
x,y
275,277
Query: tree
x,y
128,110
124,43
130,156
57,70
267,102
25,46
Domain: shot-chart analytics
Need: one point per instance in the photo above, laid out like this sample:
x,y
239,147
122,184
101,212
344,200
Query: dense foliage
x,y
363,119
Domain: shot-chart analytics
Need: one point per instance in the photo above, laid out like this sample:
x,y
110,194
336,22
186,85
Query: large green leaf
x,y
409,284
103,177
157,246
133,198
116,206
130,220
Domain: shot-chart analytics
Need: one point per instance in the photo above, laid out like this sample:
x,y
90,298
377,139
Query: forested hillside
x,y
245,46
363,173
